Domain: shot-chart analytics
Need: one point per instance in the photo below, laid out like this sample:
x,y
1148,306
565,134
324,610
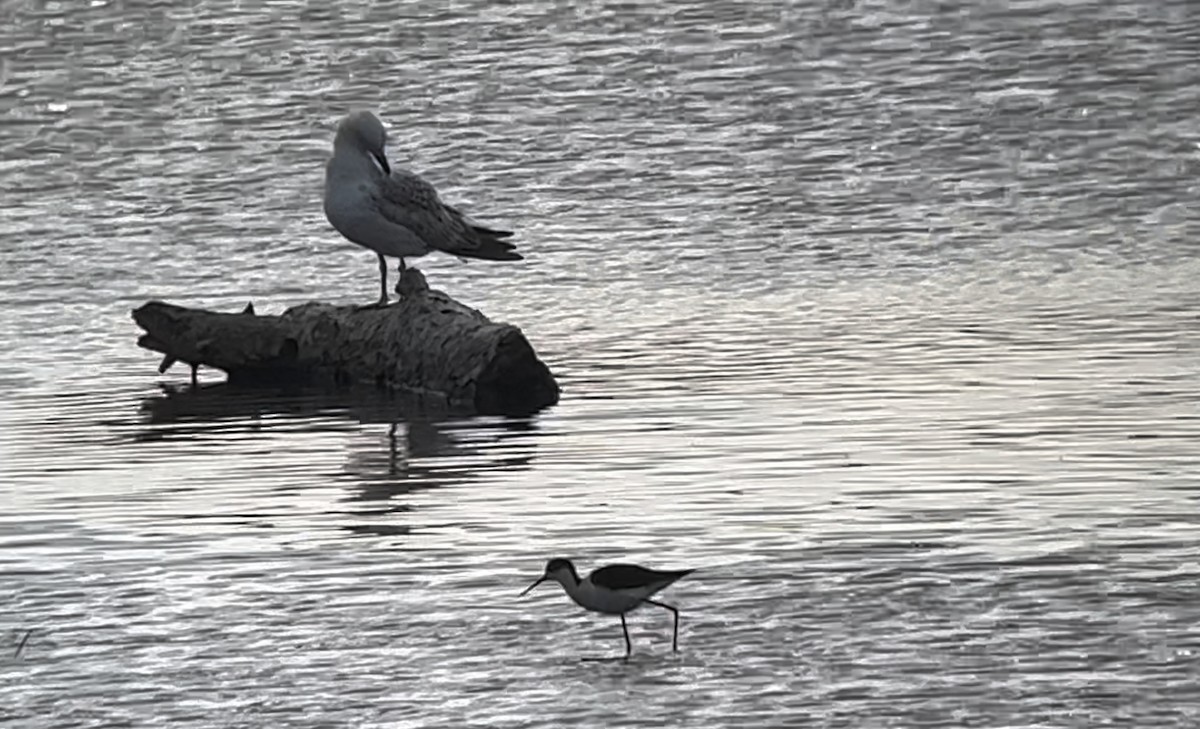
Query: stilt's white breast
x,y
602,600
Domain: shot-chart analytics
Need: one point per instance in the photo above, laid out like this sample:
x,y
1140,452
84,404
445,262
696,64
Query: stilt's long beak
x,y
381,158
527,589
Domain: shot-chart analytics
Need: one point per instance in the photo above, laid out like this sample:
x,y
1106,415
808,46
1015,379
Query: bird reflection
x,y
421,454
422,447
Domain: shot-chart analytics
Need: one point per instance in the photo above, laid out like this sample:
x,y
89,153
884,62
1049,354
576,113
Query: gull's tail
x,y
494,233
477,241
489,245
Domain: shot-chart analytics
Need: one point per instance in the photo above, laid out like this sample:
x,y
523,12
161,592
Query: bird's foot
x,y
381,304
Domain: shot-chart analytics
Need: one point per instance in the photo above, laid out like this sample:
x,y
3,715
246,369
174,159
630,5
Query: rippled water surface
x,y
883,315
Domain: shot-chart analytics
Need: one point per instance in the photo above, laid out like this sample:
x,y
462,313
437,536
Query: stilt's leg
x,y
383,294
625,629
675,634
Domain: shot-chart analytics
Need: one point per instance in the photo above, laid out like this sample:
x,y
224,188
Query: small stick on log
x,y
427,343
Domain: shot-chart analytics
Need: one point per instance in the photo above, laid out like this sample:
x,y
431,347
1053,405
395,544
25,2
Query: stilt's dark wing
x,y
630,576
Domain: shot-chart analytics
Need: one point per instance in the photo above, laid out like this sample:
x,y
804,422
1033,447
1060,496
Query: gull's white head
x,y
362,130
559,570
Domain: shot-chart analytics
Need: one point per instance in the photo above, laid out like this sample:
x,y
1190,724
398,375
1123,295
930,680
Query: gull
x,y
392,211
614,590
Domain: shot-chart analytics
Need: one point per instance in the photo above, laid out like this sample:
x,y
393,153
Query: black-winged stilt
x,y
614,590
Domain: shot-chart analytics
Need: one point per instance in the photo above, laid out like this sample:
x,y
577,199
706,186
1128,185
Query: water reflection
x,y
187,409
423,447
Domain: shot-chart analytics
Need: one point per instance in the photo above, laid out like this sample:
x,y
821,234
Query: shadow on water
x,y
193,410
423,447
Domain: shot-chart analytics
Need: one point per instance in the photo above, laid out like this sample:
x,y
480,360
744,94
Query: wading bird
x,y
614,590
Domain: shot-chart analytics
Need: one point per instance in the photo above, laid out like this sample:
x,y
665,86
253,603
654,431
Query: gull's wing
x,y
403,198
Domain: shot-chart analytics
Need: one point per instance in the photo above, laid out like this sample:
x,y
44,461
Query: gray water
x,y
882,315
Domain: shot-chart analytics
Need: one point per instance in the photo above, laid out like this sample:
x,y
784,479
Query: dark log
x,y
426,344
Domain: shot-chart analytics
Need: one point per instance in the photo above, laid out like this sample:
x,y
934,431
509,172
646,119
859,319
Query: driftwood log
x,y
427,344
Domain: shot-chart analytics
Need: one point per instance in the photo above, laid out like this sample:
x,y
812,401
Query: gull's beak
x,y
527,589
381,158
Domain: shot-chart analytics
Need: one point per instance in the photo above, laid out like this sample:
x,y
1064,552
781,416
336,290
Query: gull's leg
x,y
400,277
675,635
383,293
625,629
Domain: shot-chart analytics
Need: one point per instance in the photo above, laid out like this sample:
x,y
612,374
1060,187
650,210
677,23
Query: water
x,y
883,315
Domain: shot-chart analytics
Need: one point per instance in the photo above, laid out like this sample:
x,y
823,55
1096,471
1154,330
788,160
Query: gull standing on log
x,y
395,212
